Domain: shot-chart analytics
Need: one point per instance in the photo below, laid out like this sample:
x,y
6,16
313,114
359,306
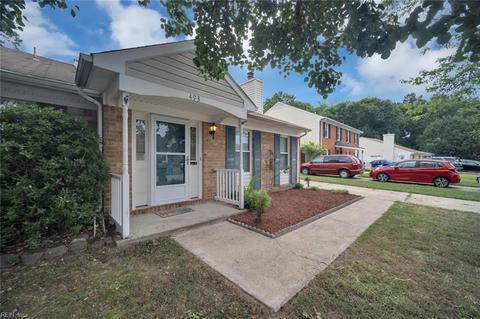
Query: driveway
x,y
275,270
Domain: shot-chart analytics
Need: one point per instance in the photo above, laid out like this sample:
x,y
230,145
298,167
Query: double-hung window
x,y
246,149
326,130
348,136
284,152
339,133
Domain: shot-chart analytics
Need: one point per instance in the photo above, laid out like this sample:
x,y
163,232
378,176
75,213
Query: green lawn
x,y
399,187
414,261
469,179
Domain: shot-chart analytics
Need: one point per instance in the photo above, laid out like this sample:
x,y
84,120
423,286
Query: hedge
x,y
52,174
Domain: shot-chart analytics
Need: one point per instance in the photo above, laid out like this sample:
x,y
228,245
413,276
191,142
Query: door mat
x,y
175,211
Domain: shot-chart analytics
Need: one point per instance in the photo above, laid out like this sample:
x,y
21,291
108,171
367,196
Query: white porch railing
x,y
228,185
116,204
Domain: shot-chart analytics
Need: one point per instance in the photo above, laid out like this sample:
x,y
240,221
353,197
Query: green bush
x,y
262,202
249,194
298,186
339,191
52,173
314,188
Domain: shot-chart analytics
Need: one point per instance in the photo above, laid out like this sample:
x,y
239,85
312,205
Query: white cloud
x,y
376,76
43,34
132,25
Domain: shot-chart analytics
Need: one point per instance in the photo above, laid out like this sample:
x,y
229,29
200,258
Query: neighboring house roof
x,y
347,145
398,146
22,63
280,105
271,119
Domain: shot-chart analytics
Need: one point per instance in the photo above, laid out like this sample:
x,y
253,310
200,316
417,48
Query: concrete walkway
x,y
434,201
275,270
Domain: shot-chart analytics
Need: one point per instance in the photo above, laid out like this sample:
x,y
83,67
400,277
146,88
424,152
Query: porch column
x,y
125,100
240,125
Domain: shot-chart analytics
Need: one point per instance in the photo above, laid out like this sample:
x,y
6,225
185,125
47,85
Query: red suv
x,y
342,165
439,173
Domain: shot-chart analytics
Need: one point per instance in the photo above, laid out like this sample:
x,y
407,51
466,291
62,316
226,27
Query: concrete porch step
x,y
150,226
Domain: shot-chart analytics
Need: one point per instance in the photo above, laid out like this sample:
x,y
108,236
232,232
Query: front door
x,y
171,162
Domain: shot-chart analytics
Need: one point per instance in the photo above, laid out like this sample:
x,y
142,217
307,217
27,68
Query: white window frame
x,y
237,148
326,130
339,133
287,152
348,135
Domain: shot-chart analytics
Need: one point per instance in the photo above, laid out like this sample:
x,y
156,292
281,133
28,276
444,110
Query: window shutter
x,y
276,147
230,147
257,158
293,160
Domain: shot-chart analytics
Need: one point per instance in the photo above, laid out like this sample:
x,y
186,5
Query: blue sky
x,y
112,24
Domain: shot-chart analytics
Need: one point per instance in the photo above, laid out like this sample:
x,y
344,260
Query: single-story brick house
x,y
169,135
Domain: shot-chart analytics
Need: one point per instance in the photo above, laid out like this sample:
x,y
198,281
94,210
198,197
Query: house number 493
x,y
194,97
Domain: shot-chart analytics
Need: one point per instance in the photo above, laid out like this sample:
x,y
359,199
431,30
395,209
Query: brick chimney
x,y
253,87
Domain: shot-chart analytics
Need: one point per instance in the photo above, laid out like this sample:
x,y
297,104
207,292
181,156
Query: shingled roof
x,y
23,63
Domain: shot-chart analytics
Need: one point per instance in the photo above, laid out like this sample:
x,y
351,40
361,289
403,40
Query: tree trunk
x,y
258,220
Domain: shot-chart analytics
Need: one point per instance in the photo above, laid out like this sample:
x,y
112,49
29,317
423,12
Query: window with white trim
x,y
348,136
246,140
284,152
326,130
339,133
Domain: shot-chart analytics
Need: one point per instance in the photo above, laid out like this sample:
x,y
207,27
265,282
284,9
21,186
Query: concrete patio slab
x,y
150,226
275,270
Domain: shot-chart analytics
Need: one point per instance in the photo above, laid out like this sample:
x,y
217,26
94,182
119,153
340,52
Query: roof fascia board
x,y
247,100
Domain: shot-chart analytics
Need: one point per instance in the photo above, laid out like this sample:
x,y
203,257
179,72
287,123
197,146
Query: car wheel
x,y
441,182
305,171
382,177
344,173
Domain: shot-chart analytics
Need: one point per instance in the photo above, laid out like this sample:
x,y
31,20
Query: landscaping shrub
x,y
249,194
339,191
52,173
307,180
298,186
314,188
262,202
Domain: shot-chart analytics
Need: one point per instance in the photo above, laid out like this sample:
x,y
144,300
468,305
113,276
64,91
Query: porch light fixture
x,y
212,129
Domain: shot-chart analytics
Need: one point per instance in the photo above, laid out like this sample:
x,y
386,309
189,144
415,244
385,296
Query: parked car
x,y
343,165
452,159
382,162
438,173
470,165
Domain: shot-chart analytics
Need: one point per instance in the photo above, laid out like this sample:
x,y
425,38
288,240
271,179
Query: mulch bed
x,y
294,208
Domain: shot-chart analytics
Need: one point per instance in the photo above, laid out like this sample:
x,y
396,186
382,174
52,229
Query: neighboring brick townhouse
x,y
336,137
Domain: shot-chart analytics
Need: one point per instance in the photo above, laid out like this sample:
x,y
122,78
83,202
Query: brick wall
x,y
213,151
112,146
329,143
86,115
268,157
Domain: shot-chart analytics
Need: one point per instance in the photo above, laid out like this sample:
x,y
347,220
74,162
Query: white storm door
x,y
194,151
171,163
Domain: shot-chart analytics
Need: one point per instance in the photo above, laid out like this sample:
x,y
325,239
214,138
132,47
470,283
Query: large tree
x,y
373,116
287,99
303,36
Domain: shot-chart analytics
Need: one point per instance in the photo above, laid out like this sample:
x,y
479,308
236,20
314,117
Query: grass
x,y
400,187
414,261
469,179
157,279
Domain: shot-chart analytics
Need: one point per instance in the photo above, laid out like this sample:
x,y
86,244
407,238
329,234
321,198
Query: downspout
x,y
99,113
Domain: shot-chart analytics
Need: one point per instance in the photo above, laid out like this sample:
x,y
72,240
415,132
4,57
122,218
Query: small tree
x,y
312,150
51,175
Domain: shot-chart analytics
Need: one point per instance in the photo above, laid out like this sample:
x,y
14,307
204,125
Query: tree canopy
x,y
306,36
